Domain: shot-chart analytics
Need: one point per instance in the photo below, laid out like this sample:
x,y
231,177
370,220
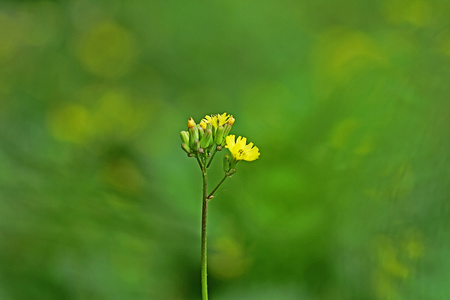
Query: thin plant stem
x,y
199,163
210,160
215,189
204,260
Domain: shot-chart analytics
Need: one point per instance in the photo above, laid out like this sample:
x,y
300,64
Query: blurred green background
x,y
347,100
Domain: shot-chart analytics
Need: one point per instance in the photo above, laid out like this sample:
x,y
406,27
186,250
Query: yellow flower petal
x,y
217,120
240,150
230,142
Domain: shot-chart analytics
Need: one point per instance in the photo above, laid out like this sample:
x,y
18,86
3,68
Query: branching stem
x,y
211,195
212,156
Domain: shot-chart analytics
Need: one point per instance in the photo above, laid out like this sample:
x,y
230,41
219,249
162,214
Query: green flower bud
x,y
186,148
227,129
193,135
206,140
196,145
185,137
219,136
201,131
227,163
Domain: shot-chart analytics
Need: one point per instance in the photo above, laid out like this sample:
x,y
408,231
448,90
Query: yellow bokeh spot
x,y
115,114
227,259
388,255
416,13
107,50
413,245
70,123
342,53
123,175
98,112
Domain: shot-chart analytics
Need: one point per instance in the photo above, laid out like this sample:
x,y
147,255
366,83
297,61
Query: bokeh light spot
x,y
115,114
416,13
341,54
414,245
70,123
227,260
123,175
107,50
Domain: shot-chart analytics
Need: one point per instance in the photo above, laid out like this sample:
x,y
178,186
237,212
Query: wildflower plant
x,y
203,141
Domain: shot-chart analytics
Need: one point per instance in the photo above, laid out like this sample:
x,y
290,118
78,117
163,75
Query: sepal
x,y
186,148
206,140
219,136
193,135
228,164
185,137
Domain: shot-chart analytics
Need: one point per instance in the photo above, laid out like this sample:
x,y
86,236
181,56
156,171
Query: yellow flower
x,y
240,150
222,119
216,120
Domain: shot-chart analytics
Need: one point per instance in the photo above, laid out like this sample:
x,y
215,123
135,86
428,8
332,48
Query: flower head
x,y
240,150
216,120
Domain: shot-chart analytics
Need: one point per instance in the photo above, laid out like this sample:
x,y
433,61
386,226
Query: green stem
x,y
212,156
204,247
215,189
199,162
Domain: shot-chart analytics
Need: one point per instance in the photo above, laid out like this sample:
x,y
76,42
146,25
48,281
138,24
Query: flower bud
x,y
196,145
203,124
186,148
185,137
201,131
206,140
226,131
193,135
231,120
191,123
219,136
227,163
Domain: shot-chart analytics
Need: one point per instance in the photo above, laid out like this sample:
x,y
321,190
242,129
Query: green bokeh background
x,y
347,100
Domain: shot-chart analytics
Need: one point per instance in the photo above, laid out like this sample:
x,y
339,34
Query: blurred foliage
x,y
347,101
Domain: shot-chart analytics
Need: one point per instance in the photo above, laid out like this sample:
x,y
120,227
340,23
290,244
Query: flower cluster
x,y
203,140
209,133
